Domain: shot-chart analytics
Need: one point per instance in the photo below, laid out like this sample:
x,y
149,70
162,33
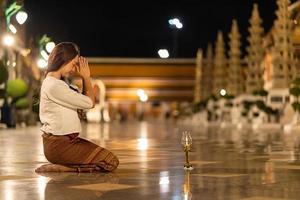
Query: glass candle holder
x,y
186,141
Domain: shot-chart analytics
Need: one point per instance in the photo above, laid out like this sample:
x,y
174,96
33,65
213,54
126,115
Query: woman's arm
x,y
60,93
84,72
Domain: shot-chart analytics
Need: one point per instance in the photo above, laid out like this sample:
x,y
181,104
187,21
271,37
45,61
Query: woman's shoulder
x,y
53,80
53,83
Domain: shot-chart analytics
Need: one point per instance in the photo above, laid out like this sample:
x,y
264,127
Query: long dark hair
x,y
61,54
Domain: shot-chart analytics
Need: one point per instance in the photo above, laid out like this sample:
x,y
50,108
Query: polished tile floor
x,y
229,164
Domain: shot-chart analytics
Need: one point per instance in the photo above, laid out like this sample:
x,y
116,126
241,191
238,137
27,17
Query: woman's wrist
x,y
85,77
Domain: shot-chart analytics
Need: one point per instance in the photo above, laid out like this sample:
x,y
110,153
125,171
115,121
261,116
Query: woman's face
x,y
70,68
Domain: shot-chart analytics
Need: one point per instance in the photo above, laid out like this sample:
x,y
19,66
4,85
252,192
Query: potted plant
x,y
15,99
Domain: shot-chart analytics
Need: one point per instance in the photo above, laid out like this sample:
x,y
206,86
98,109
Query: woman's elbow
x,y
91,104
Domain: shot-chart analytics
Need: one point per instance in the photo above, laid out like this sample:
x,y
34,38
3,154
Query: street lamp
x,y
140,92
8,40
21,17
175,24
44,54
45,46
42,63
144,98
223,92
163,53
12,28
50,46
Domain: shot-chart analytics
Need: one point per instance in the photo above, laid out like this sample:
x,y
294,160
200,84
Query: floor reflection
x,y
97,132
8,190
229,163
187,194
59,185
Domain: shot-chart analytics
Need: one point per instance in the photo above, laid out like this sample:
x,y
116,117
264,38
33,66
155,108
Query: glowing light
x,y
21,17
8,40
12,28
42,63
223,92
144,98
179,25
140,92
164,181
295,21
50,46
42,183
44,54
175,22
163,53
25,52
142,144
8,190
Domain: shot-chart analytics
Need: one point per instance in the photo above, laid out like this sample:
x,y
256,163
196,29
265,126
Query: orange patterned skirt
x,y
75,152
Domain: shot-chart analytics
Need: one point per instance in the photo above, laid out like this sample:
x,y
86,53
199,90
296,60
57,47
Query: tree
x,y
15,98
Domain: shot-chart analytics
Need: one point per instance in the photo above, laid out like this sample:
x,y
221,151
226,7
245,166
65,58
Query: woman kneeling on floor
x,y
60,122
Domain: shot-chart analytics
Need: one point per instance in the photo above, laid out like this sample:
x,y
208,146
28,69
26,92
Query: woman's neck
x,y
58,76
55,75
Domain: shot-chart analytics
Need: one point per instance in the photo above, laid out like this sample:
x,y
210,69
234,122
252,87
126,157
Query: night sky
x,y
140,28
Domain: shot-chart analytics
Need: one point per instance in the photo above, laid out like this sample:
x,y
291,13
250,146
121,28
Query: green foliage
x,y
213,97
295,91
247,104
255,92
12,9
244,113
228,104
228,96
260,104
22,103
296,106
296,82
16,88
197,107
44,40
262,93
275,111
266,109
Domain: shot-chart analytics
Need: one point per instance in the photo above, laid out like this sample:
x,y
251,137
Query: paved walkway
x,y
229,164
